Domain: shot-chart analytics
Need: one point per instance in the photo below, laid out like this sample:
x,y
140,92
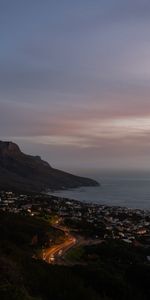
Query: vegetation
x,y
108,271
75,254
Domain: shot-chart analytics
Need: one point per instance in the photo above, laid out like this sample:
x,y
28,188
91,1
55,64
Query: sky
x,y
75,81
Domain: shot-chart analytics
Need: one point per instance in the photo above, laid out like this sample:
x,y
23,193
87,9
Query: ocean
x,y
116,189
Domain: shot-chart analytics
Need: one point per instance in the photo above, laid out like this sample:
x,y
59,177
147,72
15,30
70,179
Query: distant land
x,y
19,171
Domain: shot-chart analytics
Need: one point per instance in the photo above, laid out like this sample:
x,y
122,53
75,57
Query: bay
x,y
132,191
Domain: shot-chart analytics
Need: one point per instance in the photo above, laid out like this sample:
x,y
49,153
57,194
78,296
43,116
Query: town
x,y
87,219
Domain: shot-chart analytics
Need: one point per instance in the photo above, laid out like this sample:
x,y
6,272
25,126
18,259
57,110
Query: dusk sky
x,y
75,81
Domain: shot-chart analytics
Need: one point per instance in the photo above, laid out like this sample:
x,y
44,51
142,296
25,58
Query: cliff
x,y
24,172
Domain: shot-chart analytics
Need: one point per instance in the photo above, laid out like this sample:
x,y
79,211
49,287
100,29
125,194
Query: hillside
x,y
109,271
31,173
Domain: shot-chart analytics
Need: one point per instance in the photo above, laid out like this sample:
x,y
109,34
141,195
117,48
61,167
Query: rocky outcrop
x,y
30,173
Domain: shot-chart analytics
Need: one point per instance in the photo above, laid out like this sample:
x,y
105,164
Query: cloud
x,y
75,77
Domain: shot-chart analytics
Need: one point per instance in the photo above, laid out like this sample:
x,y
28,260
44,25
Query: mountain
x,y
19,171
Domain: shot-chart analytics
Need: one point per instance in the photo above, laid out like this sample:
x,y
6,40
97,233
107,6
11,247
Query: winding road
x,y
55,253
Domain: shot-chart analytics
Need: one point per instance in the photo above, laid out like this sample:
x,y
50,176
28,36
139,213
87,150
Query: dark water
x,y
121,190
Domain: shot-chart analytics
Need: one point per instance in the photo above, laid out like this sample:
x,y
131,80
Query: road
x,y
56,252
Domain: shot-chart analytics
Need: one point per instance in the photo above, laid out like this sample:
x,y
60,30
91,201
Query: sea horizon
x,y
118,188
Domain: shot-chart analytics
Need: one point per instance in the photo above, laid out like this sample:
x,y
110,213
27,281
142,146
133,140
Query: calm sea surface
x,y
115,190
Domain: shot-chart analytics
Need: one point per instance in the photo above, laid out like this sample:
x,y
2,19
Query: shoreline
x,y
87,219
112,193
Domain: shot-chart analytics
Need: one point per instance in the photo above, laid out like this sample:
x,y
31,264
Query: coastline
x,y
125,192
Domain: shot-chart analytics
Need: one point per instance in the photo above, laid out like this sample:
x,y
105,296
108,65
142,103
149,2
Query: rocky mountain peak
x,y
25,172
9,148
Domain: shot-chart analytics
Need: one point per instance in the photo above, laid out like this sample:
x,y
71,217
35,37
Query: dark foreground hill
x,y
30,173
110,271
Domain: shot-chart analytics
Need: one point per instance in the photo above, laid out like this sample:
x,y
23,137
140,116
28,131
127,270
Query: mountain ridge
x,y
30,173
